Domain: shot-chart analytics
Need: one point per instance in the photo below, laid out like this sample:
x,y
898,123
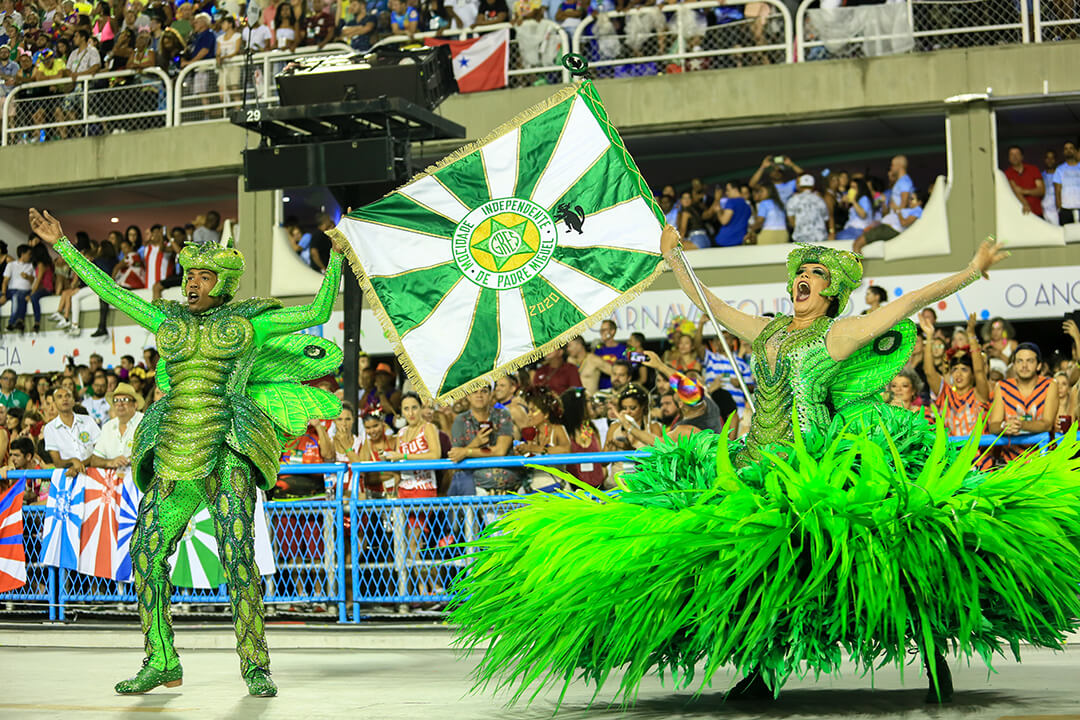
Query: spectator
x,y
556,374
1025,404
17,285
692,222
320,242
85,58
383,392
404,19
159,261
1049,200
357,27
1026,181
507,398
609,349
538,44
584,437
319,29
483,430
894,223
718,371
257,37
209,231
183,25
462,13
202,46
963,400
44,280
491,12
286,26
347,445
313,447
105,27
230,44
875,298
684,358
543,435
1067,186
23,456
777,165
904,391
999,338
1067,402
589,366
769,226
113,447
621,375
808,214
170,52
697,411
105,260
570,14
379,438
860,211
902,187
732,213
631,428
70,437
97,404
669,410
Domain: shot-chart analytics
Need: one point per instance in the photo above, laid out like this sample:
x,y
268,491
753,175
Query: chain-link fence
x,y
38,595
206,90
1056,20
404,553
825,30
107,103
685,37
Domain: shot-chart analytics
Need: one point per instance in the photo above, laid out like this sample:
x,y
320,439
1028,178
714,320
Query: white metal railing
x,y
106,102
825,30
1056,20
654,39
536,46
206,89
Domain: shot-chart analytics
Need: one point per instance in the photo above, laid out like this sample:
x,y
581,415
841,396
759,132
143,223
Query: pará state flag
x,y
508,248
482,63
98,554
127,516
196,563
12,550
63,520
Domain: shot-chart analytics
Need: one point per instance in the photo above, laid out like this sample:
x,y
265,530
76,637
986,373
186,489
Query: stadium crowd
x,y
782,203
135,261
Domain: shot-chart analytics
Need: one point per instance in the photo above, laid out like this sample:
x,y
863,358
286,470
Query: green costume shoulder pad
x,y
171,308
863,375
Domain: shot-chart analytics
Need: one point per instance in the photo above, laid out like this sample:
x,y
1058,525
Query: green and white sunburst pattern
x,y
509,247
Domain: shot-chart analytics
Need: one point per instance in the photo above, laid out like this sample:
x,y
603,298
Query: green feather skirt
x,y
878,547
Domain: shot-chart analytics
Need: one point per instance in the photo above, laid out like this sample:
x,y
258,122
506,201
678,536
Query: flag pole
x,y
717,328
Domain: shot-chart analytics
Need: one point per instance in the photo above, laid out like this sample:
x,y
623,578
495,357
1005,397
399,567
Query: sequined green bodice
x,y
792,371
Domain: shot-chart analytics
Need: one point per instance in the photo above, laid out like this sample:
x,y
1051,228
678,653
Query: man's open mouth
x,y
193,297
802,291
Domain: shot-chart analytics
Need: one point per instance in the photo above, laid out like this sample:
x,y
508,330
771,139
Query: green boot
x,y
148,678
259,682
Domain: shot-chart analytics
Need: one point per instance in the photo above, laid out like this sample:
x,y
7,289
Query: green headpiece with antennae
x,y
227,262
845,270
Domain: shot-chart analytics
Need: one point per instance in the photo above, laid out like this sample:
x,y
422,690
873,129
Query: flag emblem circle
x,y
504,243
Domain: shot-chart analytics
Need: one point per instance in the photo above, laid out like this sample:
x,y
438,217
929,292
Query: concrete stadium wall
x,y
758,95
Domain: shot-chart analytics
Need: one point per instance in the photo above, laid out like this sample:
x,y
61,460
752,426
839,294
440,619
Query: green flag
x,y
509,247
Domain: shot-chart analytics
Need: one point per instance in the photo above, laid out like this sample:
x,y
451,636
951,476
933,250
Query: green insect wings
x,y
277,372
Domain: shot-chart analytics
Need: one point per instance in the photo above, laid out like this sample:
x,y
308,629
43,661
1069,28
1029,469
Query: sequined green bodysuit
x,y
227,374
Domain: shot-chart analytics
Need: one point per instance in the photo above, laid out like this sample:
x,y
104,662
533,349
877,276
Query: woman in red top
x,y
44,280
1067,395
544,435
378,442
584,438
418,440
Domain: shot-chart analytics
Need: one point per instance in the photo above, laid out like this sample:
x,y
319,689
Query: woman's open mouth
x,y
802,291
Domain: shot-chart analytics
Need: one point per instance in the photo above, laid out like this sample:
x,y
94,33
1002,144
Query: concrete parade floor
x,y
324,678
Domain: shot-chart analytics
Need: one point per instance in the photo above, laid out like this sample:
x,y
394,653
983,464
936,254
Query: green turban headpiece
x,y
227,262
845,270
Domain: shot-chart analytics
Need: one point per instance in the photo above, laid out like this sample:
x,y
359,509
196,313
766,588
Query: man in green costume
x,y
229,371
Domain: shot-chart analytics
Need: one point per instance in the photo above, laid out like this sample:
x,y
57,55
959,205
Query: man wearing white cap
x,y
113,446
808,214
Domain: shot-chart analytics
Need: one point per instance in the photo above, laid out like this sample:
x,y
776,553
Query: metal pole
x,y
717,328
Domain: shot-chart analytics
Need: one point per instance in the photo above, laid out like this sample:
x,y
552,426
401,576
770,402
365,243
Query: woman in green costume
x,y
230,373
838,527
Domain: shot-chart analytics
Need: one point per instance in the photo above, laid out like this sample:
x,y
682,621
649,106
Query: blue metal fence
x,y
337,550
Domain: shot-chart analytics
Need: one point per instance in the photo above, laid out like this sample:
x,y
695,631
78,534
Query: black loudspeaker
x,y
340,162
423,76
